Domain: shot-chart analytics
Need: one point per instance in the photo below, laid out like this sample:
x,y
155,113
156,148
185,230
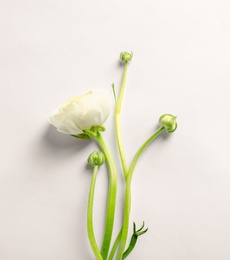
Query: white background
x,y
52,50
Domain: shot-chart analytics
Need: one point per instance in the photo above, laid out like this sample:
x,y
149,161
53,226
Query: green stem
x,y
133,241
115,245
90,229
117,120
130,248
111,204
142,148
127,204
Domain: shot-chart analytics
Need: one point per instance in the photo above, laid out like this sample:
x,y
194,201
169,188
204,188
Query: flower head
x,y
169,122
96,158
126,56
82,112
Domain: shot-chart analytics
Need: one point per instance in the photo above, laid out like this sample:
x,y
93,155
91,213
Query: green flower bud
x,y
169,122
126,56
96,158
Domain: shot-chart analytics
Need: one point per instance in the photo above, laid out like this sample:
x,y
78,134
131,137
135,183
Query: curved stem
x,y
142,148
117,120
111,204
131,246
90,229
127,204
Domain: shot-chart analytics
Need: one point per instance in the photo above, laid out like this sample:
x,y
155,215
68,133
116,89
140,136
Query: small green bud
x,y
126,56
96,158
169,122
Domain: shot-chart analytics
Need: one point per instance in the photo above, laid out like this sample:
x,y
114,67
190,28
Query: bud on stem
x,y
96,158
126,56
168,121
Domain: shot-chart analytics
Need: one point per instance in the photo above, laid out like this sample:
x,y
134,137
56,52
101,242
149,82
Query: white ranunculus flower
x,y
82,112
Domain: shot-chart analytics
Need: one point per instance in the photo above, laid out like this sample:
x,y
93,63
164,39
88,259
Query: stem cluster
x,y
119,245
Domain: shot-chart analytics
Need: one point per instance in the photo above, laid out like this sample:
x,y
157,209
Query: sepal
x,y
83,136
90,133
